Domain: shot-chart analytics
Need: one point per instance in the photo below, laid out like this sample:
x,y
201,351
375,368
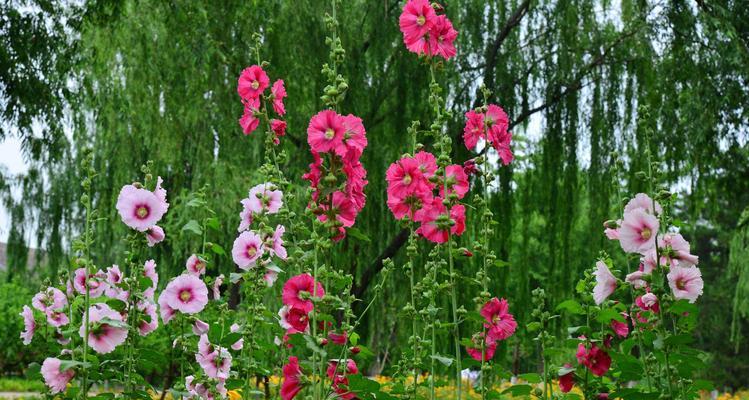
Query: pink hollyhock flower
x,y
195,265
490,346
649,301
29,325
644,202
249,121
427,164
271,275
636,279
279,128
149,318
114,275
50,299
404,177
474,129
605,283
354,137
216,286
343,209
149,271
54,377
611,234
500,324
457,181
293,319
279,93
57,318
96,282
236,346
264,198
567,380
497,125
187,294
247,249
339,339
339,379
595,359
325,131
292,379
436,222
638,231
299,290
166,312
155,235
275,244
685,283
140,209
409,205
252,82
441,38
620,328
245,217
416,19
199,327
215,364
103,336
675,250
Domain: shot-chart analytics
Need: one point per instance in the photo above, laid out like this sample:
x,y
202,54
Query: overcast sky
x,y
11,159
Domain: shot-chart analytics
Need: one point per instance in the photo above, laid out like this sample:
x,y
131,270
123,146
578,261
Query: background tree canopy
x,y
588,85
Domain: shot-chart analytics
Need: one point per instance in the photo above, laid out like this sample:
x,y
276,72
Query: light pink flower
x,y
149,319
644,202
217,286
636,279
187,293
649,301
605,283
611,234
264,198
247,249
29,324
675,250
271,275
140,209
166,312
236,346
49,300
275,246
56,379
298,292
149,271
279,93
325,131
155,235
199,327
215,361
686,283
96,282
114,275
57,318
638,231
105,331
195,265
252,82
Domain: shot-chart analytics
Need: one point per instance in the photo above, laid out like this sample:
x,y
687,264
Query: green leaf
x,y
359,384
194,227
683,306
213,223
533,326
358,234
530,377
235,277
230,339
609,314
501,263
675,340
67,364
518,390
119,305
701,384
354,339
34,371
446,361
571,306
218,249
115,323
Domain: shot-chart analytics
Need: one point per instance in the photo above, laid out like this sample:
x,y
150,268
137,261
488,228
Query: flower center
x,y
329,133
681,285
421,20
496,319
255,84
646,233
251,251
407,179
185,295
141,212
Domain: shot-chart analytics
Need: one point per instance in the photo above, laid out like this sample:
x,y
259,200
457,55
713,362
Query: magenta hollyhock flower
x,y
436,222
96,282
404,177
497,125
500,324
638,231
338,338
441,38
249,122
247,249
567,378
279,128
149,319
264,198
195,265
325,131
140,209
187,294
595,359
354,137
54,377
292,379
457,181
427,164
644,202
104,332
409,205
236,346
50,299
605,283
29,325
620,328
275,244
340,380
252,82
57,318
217,286
490,346
293,319
299,290
686,283
474,129
416,19
279,93
155,235
343,209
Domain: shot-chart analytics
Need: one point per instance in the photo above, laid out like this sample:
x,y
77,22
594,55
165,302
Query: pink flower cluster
x,y
337,143
491,126
412,182
251,88
499,325
142,209
425,32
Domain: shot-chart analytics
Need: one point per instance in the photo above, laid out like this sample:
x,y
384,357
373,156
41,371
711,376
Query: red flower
x,y
339,339
292,383
499,322
595,358
490,346
436,222
567,381
339,379
298,291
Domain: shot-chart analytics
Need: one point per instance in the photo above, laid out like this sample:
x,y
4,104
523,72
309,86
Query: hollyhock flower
x,y
343,210
114,275
57,318
636,279
675,250
155,235
216,286
499,322
50,299
469,167
236,346
567,378
427,164
474,129
497,124
29,325
644,202
275,245
605,283
354,137
595,359
279,93
436,222
149,319
611,234
620,328
252,82
409,205
293,319
457,181
338,338
216,363
638,231
245,217
264,198
249,121
340,379
95,282
199,327
685,283
187,293
103,337
649,301
247,249
292,379
490,347
325,131
279,128
149,271
416,19
441,38
404,177
299,290
166,312
54,377
140,209
195,265
271,275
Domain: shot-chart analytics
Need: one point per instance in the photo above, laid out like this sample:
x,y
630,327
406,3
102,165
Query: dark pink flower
x,y
155,235
298,292
416,20
292,379
252,82
567,380
594,358
457,181
620,328
436,222
500,324
490,346
474,129
249,122
279,93
325,131
293,319
441,38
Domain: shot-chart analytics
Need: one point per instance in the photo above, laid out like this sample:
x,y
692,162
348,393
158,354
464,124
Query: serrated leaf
x,y
193,226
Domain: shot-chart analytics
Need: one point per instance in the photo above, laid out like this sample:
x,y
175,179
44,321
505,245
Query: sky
x,y
12,161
